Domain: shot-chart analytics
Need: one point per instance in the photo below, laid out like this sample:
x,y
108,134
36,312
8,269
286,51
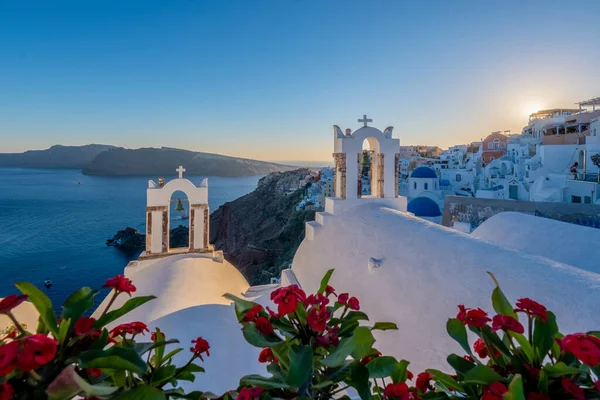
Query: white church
x,y
404,269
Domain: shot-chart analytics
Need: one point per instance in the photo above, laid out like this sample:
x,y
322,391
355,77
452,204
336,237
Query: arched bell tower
x,y
157,215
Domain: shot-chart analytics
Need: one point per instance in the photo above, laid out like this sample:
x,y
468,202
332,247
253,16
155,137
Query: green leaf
x,y
257,339
445,380
42,304
543,382
400,373
460,365
69,384
144,347
493,339
458,332
359,380
384,326
241,306
434,396
170,355
63,330
129,306
265,383
362,342
193,368
78,303
300,365
356,316
143,392
500,303
524,345
381,367
482,375
515,389
116,357
339,355
162,374
560,369
325,281
543,335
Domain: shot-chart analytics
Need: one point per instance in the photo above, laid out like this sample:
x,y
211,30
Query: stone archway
x,y
158,216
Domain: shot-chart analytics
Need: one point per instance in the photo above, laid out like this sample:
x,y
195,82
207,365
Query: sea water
x,y
54,224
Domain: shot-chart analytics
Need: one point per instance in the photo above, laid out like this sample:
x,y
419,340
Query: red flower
x,y
423,382
537,396
287,299
494,391
353,304
249,393
10,302
266,355
329,291
84,326
396,391
532,308
264,326
480,348
6,391
37,350
410,375
253,313
474,317
534,372
317,299
585,347
201,346
120,284
317,319
507,323
8,356
367,359
157,336
330,337
469,358
132,328
597,385
95,372
343,298
572,389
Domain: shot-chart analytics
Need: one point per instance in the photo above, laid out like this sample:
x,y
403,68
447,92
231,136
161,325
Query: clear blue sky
x,y
268,79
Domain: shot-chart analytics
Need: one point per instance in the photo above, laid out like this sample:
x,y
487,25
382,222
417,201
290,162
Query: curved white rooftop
x,y
560,241
426,270
178,282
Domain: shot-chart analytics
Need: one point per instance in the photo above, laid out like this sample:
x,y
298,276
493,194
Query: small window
x,y
426,186
575,199
458,177
490,146
415,185
587,200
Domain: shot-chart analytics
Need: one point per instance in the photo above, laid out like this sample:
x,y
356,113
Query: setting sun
x,y
531,108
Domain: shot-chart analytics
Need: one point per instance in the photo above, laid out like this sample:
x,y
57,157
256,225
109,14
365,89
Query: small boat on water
x,y
48,283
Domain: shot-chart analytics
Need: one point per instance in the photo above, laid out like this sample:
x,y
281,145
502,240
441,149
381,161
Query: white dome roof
x,y
426,270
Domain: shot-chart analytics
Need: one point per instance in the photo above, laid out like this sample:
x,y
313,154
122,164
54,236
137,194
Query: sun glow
x,y
531,108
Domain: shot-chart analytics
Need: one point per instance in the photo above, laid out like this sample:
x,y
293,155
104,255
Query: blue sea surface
x,y
54,225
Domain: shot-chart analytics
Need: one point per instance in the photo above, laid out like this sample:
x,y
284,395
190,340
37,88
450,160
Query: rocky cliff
x,y
58,156
259,233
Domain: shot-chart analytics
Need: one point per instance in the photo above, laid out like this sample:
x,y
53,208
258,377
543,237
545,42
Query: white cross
x,y
365,120
181,170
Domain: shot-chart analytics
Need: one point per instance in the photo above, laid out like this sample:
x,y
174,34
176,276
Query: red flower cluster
x,y
329,337
494,391
473,317
352,303
120,284
507,323
200,346
287,299
267,356
317,318
157,336
482,350
132,328
249,393
264,326
397,391
585,347
10,302
84,326
6,391
572,389
253,313
423,380
532,308
330,291
27,354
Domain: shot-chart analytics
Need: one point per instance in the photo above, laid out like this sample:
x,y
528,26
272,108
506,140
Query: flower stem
x,y
110,303
35,376
16,323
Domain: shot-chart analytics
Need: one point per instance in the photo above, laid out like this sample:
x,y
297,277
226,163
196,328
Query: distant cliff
x,y
164,161
72,157
260,232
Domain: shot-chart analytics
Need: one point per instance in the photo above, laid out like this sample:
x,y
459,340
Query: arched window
x,y
426,187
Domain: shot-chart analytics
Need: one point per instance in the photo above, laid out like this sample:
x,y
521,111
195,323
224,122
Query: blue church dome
x,y
423,172
424,207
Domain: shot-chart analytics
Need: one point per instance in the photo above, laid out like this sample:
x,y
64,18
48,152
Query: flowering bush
x,y
77,355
